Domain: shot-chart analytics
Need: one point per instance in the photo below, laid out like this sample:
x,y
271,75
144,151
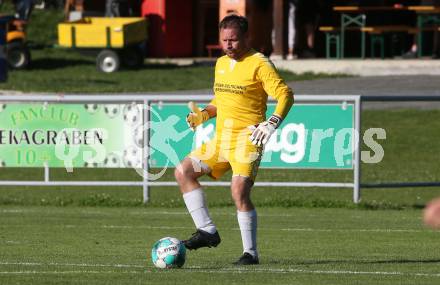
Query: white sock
x,y
247,222
196,205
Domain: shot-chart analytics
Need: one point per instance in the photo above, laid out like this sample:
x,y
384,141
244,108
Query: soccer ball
x,y
168,252
111,110
91,108
138,136
132,157
90,164
112,160
132,114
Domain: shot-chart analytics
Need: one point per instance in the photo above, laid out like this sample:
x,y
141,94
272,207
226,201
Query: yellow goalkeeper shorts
x,y
243,157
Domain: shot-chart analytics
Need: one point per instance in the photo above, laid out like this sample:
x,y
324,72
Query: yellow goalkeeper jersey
x,y
241,89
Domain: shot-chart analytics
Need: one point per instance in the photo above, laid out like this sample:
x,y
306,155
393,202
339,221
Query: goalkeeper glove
x,y
262,132
196,117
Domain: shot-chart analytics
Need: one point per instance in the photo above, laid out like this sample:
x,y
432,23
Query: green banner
x,y
69,135
112,135
311,136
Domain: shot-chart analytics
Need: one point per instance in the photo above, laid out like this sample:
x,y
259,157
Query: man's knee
x,y
178,174
185,171
181,172
240,197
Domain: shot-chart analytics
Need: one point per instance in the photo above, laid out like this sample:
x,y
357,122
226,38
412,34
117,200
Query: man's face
x,y
233,43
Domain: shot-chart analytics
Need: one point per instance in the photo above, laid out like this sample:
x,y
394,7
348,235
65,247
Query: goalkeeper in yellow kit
x,y
243,80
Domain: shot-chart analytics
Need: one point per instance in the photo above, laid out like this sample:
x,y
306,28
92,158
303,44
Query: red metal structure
x,y
169,27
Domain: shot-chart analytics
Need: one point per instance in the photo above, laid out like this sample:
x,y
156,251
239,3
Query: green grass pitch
x,y
89,245
306,236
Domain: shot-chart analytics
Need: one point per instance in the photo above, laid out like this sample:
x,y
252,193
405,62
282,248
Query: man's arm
x,y
275,87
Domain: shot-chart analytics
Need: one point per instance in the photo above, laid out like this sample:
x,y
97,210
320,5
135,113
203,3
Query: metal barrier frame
x,y
148,99
400,98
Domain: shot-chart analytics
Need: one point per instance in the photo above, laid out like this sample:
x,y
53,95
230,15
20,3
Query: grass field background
x,y
77,245
98,235
411,155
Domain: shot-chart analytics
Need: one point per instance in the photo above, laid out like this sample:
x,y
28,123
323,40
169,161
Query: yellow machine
x,y
18,53
115,39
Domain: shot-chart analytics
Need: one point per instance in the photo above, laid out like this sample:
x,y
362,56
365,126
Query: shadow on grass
x,y
149,65
323,262
171,65
158,66
289,262
56,63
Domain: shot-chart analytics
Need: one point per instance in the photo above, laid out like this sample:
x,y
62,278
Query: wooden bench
x,y
377,35
332,38
389,29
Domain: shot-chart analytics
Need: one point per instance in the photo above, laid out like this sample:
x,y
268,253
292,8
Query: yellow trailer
x,y
116,39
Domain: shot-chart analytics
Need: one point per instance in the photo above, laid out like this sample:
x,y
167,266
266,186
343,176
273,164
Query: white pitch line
x,y
145,227
179,213
346,272
274,229
261,228
13,242
72,264
69,272
354,230
239,270
12,211
232,213
171,213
